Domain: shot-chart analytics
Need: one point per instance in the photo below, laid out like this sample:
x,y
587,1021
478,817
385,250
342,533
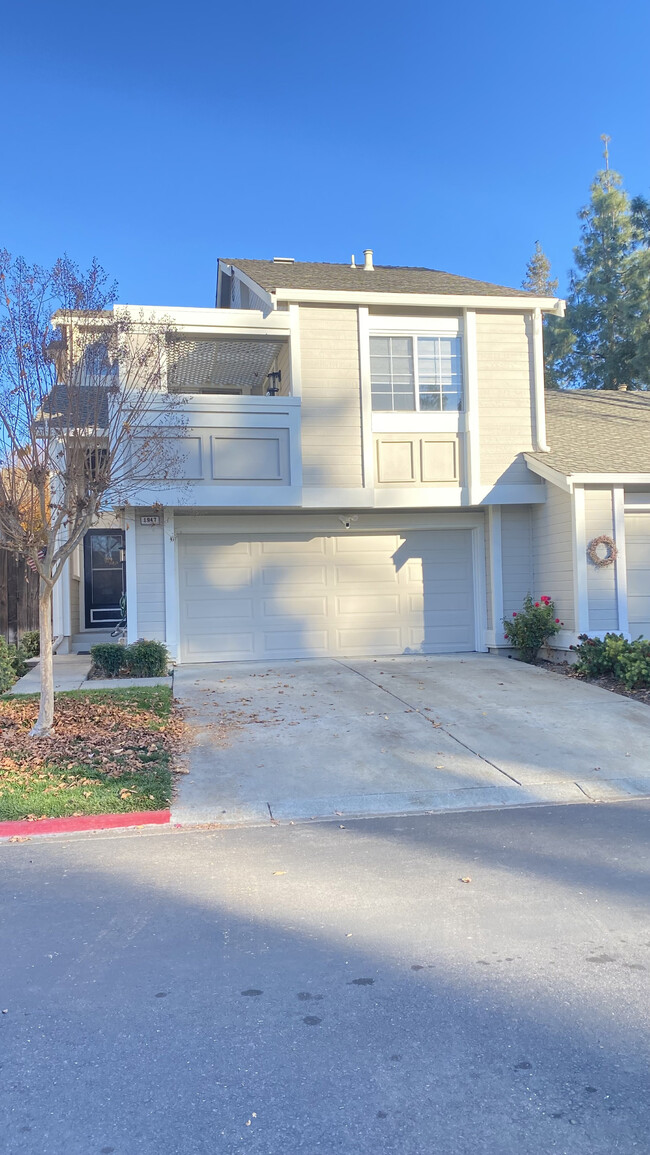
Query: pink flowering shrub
x,y
531,628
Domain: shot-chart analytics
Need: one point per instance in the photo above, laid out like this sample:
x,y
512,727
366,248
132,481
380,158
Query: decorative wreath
x,y
598,559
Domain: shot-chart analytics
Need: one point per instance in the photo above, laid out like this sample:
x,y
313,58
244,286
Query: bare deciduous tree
x,y
85,422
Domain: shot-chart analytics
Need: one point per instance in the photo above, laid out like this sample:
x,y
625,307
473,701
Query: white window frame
x,y
397,420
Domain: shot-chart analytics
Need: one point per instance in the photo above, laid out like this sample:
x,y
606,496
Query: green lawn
x,y
111,752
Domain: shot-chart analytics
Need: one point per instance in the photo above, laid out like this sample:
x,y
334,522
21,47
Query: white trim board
x,y
430,300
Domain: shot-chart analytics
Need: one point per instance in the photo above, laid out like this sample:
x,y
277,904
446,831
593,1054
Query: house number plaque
x,y
150,519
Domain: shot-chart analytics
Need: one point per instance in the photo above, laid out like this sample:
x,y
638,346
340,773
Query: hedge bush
x,y
140,660
146,660
107,659
30,644
12,665
614,656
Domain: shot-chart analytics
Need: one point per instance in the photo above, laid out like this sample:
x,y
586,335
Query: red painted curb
x,y
84,822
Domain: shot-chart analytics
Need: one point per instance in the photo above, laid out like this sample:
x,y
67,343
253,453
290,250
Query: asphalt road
x,y
331,987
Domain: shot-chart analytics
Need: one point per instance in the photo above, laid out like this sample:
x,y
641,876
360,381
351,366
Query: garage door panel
x,y
361,543
367,575
301,595
208,610
372,640
220,578
232,646
367,604
293,607
295,643
300,543
296,575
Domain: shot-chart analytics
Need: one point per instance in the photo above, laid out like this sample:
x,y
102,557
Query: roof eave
x,y
419,300
566,480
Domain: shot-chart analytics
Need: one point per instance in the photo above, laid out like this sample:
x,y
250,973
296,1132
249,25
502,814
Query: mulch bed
x,y
605,683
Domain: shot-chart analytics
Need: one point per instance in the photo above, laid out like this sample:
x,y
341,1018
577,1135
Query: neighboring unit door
x,y
298,595
637,550
103,577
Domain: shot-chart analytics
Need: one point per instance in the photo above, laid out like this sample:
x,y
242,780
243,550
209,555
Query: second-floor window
x,y
416,373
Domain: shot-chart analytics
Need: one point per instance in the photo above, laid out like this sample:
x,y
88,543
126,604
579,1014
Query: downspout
x,y
538,383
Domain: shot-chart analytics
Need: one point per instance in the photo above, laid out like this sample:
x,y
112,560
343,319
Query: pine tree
x,y
538,274
604,297
557,338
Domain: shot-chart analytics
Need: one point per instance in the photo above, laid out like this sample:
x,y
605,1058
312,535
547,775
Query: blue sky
x,y
159,137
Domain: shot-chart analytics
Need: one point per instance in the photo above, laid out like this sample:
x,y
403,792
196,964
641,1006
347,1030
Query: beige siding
x,y
504,361
331,404
151,579
76,623
553,552
601,580
517,558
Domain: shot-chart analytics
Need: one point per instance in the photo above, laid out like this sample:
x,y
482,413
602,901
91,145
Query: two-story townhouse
x,y
363,461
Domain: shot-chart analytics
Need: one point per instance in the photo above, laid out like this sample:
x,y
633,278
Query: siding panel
x,y
601,581
517,558
504,362
553,552
151,579
331,399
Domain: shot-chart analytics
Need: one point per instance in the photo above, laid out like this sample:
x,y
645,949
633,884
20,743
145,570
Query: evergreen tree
x,y
538,274
557,337
605,304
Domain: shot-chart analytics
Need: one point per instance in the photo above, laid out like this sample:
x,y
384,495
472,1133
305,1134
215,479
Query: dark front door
x,y
104,576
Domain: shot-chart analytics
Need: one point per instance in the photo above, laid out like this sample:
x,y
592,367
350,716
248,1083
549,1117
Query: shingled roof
x,y
271,275
597,431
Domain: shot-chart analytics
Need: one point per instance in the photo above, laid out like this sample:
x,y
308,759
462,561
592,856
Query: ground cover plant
x,y
110,751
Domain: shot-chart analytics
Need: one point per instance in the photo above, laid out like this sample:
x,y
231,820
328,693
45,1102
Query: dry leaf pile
x,y
114,737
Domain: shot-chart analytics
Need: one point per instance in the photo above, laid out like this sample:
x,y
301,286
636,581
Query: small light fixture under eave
x,y
346,519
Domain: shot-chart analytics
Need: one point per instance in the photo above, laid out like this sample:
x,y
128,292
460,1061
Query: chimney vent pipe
x,y
368,265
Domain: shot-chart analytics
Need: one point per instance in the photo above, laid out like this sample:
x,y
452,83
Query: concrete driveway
x,y
334,738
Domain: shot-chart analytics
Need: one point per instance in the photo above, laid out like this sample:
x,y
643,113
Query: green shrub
x,y
531,628
30,644
18,661
146,660
7,667
613,656
599,656
108,659
140,660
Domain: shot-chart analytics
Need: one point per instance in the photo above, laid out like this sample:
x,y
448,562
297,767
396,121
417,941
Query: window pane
x,y
439,372
379,346
430,401
404,401
392,373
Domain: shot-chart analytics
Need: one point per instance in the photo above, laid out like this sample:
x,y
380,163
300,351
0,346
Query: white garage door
x,y
295,595
637,549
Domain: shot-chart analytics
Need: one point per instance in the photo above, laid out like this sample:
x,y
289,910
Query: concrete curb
x,y
84,822
256,813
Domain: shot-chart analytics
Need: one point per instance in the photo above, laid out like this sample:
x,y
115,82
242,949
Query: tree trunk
x,y
45,720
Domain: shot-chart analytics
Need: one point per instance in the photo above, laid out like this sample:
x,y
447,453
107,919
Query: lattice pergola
x,y
217,362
